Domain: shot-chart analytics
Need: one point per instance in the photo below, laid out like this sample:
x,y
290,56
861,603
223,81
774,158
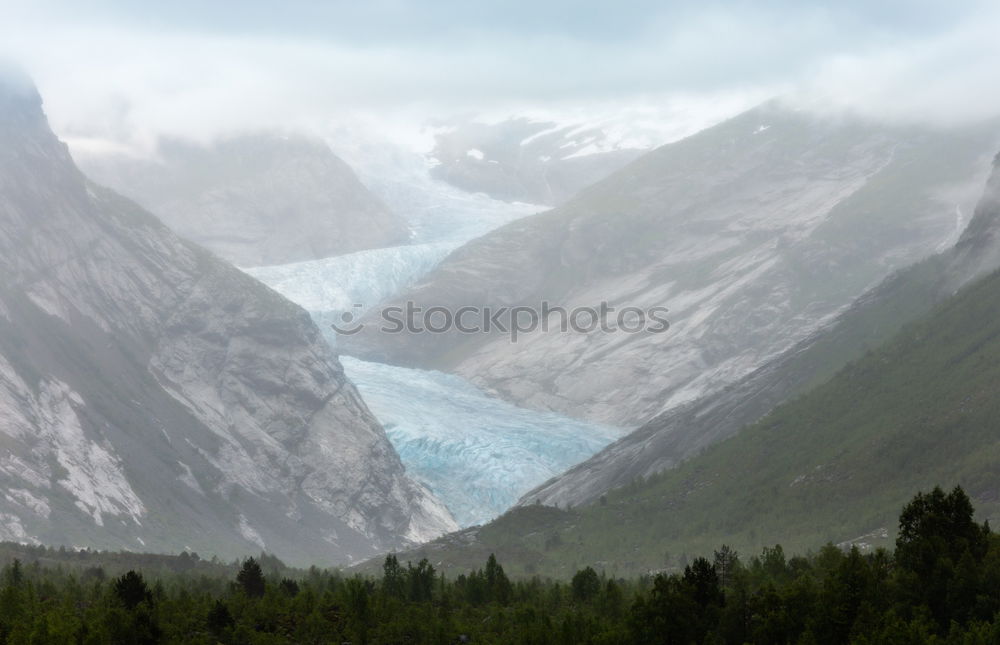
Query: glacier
x,y
353,283
441,218
475,453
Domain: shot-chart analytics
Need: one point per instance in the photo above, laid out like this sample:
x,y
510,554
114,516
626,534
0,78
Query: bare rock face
x,y
258,199
519,159
754,234
154,398
679,434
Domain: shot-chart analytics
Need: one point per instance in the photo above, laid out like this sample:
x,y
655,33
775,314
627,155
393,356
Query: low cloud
x,y
112,76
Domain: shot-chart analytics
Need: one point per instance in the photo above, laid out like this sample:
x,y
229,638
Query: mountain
x,y
153,397
257,199
754,233
674,436
476,453
527,160
834,464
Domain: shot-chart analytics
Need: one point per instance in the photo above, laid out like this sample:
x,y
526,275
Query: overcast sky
x,y
126,71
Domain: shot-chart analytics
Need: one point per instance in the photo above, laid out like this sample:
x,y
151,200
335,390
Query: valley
x,y
589,323
739,230
476,453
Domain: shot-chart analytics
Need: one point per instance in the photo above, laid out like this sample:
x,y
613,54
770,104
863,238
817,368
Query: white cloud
x,y
947,79
129,81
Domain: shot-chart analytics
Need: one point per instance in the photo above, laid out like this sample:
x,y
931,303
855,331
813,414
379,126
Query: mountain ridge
x,y
153,397
735,230
668,439
256,199
833,465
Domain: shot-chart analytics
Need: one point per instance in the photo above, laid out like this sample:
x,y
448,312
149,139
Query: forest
x,y
941,584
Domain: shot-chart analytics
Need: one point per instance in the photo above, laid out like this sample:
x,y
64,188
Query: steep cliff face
x,y
670,438
257,199
754,234
153,397
978,250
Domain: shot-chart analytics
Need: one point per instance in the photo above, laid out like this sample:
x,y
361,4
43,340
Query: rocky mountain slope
x,y
526,160
754,233
153,397
670,438
835,464
255,200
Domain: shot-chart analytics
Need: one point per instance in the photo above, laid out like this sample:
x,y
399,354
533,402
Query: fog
x,y
118,76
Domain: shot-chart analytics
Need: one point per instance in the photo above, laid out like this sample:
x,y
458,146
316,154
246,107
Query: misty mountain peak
x,y
141,375
259,198
16,85
22,118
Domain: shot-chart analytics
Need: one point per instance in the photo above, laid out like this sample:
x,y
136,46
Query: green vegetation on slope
x,y
941,585
831,465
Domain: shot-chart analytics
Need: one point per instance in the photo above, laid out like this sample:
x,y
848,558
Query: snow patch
x,y
11,530
475,153
24,497
21,471
94,475
542,133
249,533
589,149
47,301
187,477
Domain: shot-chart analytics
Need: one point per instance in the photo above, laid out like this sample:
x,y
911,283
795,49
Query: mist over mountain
x,y
500,322
674,436
255,199
753,233
476,453
822,445
153,397
521,159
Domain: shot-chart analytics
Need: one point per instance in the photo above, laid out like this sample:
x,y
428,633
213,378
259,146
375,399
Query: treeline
x,y
940,585
88,562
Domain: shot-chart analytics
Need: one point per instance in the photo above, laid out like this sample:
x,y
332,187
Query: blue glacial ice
x,y
351,283
476,453
441,219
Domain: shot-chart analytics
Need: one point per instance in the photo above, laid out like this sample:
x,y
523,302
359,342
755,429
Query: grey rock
x,y
679,434
154,398
256,199
519,159
755,234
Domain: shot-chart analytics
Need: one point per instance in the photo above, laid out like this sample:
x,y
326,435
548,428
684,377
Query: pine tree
x,y
131,590
251,579
725,562
586,584
498,587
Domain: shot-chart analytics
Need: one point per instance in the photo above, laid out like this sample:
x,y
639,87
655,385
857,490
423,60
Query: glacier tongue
x,y
475,453
441,218
351,283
